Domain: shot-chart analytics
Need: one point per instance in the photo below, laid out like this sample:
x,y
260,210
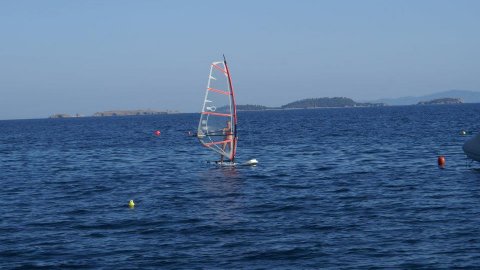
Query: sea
x,y
339,188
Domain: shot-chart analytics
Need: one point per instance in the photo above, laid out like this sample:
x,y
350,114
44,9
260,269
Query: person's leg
x,y
223,148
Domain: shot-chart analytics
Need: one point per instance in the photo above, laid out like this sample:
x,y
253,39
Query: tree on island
x,y
321,102
440,101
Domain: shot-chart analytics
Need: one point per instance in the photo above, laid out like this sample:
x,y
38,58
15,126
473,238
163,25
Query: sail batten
x,y
217,129
217,114
218,91
219,68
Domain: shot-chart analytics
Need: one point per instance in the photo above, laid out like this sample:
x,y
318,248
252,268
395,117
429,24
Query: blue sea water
x,y
335,188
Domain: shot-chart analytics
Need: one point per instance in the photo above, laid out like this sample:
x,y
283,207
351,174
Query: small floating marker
x,y
463,133
131,204
441,162
157,133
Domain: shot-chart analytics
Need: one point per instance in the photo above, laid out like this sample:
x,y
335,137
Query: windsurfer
x,y
228,140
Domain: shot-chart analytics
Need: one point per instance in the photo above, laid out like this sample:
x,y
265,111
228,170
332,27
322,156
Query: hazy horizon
x,y
89,56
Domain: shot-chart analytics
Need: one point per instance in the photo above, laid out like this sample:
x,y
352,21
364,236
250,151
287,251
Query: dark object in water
x,y
472,148
441,161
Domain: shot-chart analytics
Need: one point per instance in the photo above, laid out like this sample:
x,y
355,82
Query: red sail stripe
x,y
219,91
219,68
218,114
220,142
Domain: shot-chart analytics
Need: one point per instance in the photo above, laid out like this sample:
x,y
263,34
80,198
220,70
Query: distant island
x,y
310,103
440,101
466,96
63,115
132,112
116,113
325,102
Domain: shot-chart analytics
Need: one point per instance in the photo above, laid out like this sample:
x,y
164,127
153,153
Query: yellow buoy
x,y
131,204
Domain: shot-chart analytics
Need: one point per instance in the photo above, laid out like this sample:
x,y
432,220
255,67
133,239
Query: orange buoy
x,y
157,132
441,161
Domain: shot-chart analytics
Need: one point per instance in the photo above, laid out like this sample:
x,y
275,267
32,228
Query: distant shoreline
x,y
356,107
311,103
116,113
341,102
270,109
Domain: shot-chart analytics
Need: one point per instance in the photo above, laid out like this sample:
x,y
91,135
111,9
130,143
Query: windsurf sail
x,y
217,129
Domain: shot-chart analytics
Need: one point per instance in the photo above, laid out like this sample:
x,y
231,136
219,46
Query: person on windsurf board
x,y
219,107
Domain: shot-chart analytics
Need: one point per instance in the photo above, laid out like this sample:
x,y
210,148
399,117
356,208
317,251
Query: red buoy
x,y
157,132
441,161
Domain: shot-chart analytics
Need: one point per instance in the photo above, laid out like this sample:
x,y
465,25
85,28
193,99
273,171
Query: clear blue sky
x,y
87,56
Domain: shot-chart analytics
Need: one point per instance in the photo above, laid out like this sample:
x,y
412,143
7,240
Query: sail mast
x,y
234,108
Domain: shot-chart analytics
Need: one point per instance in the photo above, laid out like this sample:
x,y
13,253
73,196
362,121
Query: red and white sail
x,y
217,129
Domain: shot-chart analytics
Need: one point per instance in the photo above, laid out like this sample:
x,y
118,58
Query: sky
x,y
89,56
